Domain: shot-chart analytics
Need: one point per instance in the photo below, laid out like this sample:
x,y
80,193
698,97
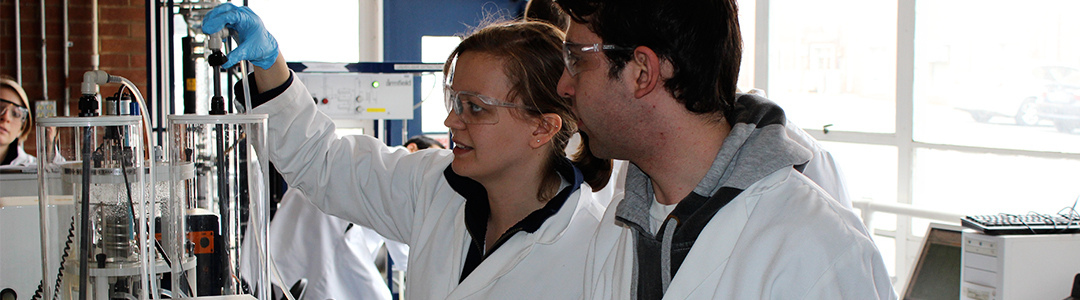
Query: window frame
x,y
902,138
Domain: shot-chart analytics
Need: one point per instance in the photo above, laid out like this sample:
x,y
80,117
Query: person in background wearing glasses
x,y
715,205
15,124
504,215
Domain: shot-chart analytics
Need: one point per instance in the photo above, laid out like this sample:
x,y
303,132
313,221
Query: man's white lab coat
x,y
781,236
754,242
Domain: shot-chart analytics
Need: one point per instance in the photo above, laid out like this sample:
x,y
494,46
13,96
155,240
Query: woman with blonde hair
x,y
15,124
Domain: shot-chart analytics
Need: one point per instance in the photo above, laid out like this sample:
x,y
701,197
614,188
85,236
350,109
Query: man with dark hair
x,y
715,205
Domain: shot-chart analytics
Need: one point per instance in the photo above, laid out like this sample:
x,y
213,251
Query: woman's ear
x,y
546,129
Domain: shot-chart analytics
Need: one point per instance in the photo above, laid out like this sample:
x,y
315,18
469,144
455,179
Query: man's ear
x,y
411,147
647,71
546,129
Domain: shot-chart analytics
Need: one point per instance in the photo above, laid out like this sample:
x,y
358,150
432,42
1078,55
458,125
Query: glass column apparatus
x,y
224,205
109,250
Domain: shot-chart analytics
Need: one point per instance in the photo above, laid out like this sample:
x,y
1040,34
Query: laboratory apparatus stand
x,y
108,251
224,205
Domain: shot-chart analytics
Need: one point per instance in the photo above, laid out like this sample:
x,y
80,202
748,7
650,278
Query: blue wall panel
x,y
406,21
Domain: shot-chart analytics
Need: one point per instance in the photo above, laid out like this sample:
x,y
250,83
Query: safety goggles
x,y
574,56
474,108
13,111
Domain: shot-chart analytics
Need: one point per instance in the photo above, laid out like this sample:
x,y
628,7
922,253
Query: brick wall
x,y
122,39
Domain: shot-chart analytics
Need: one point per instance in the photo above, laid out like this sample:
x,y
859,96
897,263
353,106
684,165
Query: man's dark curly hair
x,y
700,38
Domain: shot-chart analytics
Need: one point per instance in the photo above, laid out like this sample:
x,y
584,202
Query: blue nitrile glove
x,y
255,43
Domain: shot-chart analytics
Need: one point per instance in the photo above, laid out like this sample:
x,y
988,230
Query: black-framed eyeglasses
x,y
574,54
13,110
474,108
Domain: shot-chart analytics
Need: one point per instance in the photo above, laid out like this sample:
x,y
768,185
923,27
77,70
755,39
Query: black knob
x,y
217,59
217,105
88,105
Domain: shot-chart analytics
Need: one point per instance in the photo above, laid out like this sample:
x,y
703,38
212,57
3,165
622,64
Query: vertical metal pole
x,y
18,44
153,56
84,224
225,210
170,85
67,62
164,70
44,58
95,49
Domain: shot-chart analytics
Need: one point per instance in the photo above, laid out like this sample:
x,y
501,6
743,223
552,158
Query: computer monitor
x,y
937,272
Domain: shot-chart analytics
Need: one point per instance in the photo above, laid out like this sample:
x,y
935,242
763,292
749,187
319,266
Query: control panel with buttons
x,y
361,96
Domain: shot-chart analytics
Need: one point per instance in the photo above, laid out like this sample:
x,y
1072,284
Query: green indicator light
x,y
375,84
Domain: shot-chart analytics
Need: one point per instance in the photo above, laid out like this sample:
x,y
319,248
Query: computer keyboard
x,y
1023,224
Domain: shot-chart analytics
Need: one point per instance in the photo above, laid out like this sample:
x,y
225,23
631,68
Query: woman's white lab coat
x,y
22,159
406,197
752,250
22,162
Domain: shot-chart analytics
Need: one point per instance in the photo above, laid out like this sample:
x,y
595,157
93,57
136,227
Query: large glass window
x,y
334,37
833,62
870,169
870,173
995,99
975,184
434,49
1004,75
747,11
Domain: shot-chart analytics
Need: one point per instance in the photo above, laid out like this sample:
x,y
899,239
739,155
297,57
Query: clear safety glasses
x,y
574,55
13,111
474,108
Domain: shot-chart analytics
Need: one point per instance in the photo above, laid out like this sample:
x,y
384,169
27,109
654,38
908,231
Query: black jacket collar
x,y
12,153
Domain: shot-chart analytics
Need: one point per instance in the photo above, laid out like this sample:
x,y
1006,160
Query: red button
x,y
325,101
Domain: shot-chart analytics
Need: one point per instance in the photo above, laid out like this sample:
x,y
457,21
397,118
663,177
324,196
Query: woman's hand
x,y
255,43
